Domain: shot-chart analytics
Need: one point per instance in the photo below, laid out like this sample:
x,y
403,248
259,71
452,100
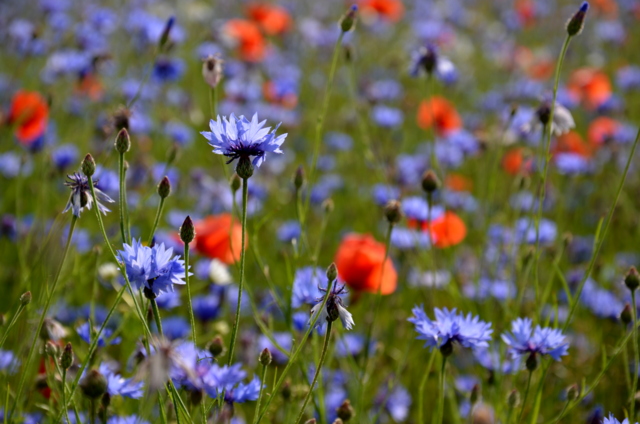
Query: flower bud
x,y
67,357
216,347
475,394
286,390
430,181
165,32
187,231
121,119
576,22
93,385
212,70
513,399
51,349
328,205
573,392
544,113
332,272
632,279
245,168
164,188
393,211
25,299
349,19
532,362
196,396
88,165
626,316
345,411
106,400
265,357
123,142
299,178
235,183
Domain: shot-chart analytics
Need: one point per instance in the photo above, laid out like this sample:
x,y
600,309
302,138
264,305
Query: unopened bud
x,y
51,349
165,32
93,385
106,400
567,238
513,399
164,188
332,272
123,141
393,211
67,357
328,205
286,390
626,316
187,231
576,22
632,279
430,181
345,411
25,299
212,70
265,357
299,178
475,394
216,347
349,19
573,392
235,183
88,165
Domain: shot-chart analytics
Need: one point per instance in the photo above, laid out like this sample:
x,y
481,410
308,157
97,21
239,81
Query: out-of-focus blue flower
x,y
612,31
387,117
168,69
525,231
523,340
131,419
417,208
351,344
155,269
613,420
8,361
397,403
289,231
175,327
489,358
628,78
450,327
239,138
244,392
405,238
179,132
460,200
338,141
383,193
306,283
64,156
11,165
325,187
498,289
572,164
601,302
283,339
384,90
107,180
168,300
120,386
206,308
81,195
87,334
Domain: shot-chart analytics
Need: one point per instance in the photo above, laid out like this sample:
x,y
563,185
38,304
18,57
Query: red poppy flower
x,y
361,265
272,19
440,111
251,44
602,129
572,142
447,230
219,237
457,182
514,162
591,86
30,113
90,86
389,10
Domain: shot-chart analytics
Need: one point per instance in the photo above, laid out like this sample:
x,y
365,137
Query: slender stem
x,y
190,304
526,394
325,346
47,304
294,356
123,202
264,375
509,413
234,333
600,237
423,384
157,219
432,154
636,356
64,395
11,324
564,408
441,394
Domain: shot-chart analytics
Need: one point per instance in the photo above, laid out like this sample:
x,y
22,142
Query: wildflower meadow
x,y
299,211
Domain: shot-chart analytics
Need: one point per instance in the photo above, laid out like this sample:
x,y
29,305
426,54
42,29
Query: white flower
x,y
212,70
561,124
219,273
332,310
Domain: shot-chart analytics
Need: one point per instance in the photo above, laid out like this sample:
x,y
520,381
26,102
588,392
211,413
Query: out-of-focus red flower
x,y
514,162
447,230
246,34
457,182
389,10
526,11
361,265
29,113
602,129
272,19
572,142
219,237
439,111
90,86
591,86
288,100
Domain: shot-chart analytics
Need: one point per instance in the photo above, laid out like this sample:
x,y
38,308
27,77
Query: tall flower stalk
x,y
122,146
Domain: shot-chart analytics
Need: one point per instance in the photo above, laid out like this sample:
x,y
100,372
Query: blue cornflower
x,y
175,327
613,420
243,392
131,419
120,386
206,308
81,195
284,341
306,283
229,379
64,155
491,359
450,327
541,341
289,231
85,333
239,138
8,361
153,269
333,309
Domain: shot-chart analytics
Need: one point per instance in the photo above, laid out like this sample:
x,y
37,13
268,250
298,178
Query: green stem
x,y
157,219
325,346
47,304
92,409
264,375
190,304
124,230
526,394
234,333
423,384
636,356
432,154
441,394
292,358
564,408
11,324
64,395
